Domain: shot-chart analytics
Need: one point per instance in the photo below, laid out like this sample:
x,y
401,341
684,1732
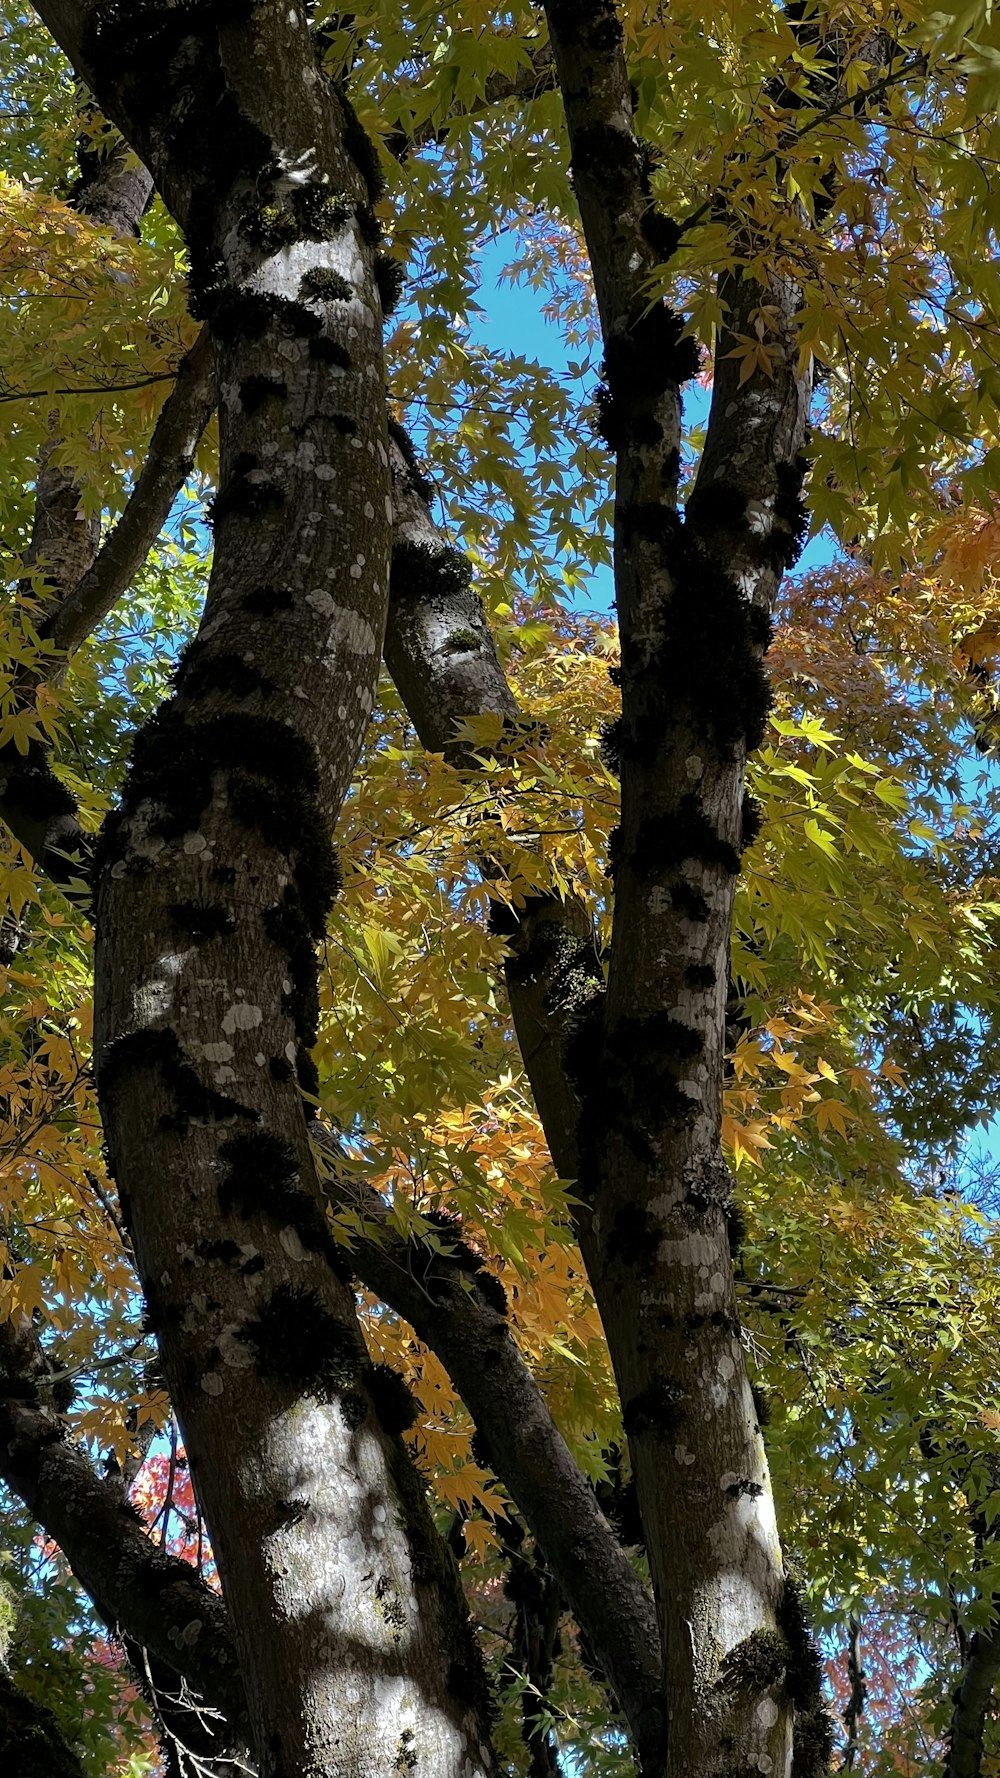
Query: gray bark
x,y
650,1070
214,884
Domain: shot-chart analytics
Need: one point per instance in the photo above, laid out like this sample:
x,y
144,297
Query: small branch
x,y
526,84
160,376
169,460
852,1714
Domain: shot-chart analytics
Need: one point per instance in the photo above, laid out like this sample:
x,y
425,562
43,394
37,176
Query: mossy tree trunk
x,y
212,886
693,598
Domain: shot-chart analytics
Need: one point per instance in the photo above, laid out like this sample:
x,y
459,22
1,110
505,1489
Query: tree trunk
x,y
213,885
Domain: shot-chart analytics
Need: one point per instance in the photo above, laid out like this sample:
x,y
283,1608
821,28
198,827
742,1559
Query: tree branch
x,y
526,84
169,461
155,1601
469,1333
972,1699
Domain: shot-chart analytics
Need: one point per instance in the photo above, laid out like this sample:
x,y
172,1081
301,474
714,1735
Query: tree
x,y
344,1642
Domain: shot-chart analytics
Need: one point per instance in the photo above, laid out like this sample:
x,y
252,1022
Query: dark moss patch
x,y
298,1341
406,1753
743,1486
650,356
665,842
288,927
243,498
610,746
464,642
326,351
689,902
280,1069
423,573
201,920
249,315
269,226
662,234
633,1239
265,601
736,1228
760,628
390,278
321,213
610,423
656,1409
323,284
394,1403
307,1076
254,391
790,512
761,1405
751,820
201,672
699,975
419,479
653,520
262,1179
609,155
718,505
813,1738
492,1292
361,149
369,226
228,1252
31,783
755,1664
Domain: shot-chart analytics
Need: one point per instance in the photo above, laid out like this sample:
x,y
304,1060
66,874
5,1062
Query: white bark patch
x,y
154,998
683,1455
350,630
217,1052
212,1383
235,1352
241,1017
289,1238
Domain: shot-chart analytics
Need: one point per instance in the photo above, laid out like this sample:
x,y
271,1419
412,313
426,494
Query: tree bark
x,y
692,603
214,884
